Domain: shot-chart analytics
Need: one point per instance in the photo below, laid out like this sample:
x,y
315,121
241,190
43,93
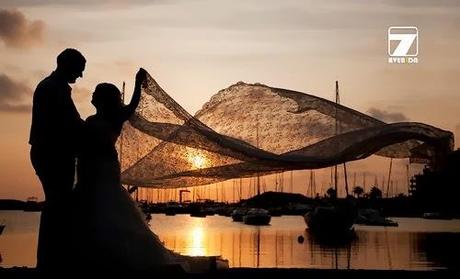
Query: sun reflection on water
x,y
196,240
412,245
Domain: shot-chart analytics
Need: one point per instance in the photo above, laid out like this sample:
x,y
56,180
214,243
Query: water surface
x,y
416,244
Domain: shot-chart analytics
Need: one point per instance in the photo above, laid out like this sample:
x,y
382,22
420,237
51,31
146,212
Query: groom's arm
x,y
70,119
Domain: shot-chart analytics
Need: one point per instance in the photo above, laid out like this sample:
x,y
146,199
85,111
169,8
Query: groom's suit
x,y
56,125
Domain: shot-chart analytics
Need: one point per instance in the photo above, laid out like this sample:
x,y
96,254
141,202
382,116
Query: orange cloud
x,y
13,94
387,116
18,32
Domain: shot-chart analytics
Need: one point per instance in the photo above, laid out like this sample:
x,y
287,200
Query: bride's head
x,y
107,98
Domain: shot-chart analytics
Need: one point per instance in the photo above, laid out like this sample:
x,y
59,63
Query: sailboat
x,y
338,216
257,216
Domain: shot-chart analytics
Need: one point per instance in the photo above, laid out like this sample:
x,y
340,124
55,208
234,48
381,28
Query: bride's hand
x,y
141,76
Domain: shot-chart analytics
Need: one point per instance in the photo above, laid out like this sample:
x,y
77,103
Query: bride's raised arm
x,y
131,107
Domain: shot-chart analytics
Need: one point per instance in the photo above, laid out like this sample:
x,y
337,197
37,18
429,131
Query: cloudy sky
x,y
194,48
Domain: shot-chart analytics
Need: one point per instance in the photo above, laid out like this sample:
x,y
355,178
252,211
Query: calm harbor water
x,y
415,244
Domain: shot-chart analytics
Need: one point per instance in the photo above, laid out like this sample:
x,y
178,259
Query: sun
x,y
197,159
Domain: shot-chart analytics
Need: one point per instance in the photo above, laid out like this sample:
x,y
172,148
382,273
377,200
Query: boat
x,y
257,216
338,216
331,219
2,227
238,214
372,217
198,213
172,208
436,216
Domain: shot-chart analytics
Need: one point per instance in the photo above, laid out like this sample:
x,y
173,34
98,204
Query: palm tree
x,y
375,193
358,191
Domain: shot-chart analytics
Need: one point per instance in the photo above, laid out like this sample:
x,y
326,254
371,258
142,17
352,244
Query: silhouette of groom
x,y
56,126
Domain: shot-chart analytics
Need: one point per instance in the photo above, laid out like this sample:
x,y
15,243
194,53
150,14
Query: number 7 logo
x,y
406,35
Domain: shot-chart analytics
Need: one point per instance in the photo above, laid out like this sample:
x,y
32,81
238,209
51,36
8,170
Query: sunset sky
x,y
194,48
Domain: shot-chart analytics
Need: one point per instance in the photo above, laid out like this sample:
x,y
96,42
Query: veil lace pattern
x,y
254,129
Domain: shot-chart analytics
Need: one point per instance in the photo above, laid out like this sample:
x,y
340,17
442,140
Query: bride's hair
x,y
106,97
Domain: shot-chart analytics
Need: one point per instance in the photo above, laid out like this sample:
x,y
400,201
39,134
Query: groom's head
x,y
71,64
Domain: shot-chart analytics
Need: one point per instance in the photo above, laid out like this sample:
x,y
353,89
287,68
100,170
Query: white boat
x,y
436,215
372,217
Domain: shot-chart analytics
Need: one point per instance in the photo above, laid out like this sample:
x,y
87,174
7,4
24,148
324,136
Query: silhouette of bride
x,y
109,230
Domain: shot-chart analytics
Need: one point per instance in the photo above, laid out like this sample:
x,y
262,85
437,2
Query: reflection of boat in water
x,y
372,217
257,216
238,214
339,240
2,227
331,220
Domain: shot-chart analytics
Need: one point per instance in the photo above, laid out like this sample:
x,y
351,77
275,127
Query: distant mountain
x,y
277,199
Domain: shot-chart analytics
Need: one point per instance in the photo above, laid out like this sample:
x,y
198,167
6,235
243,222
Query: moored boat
x,y
372,217
257,216
329,220
436,215
238,214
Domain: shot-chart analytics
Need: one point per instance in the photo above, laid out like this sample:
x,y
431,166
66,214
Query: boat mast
x,y
407,177
346,178
121,134
389,176
257,141
364,181
312,184
222,191
241,188
337,128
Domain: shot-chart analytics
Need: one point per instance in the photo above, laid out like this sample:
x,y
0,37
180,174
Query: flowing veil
x,y
249,129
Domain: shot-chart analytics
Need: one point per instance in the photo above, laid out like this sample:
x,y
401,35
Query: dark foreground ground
x,y
242,273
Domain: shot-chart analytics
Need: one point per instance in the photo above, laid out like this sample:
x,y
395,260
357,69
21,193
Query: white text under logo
x,y
403,44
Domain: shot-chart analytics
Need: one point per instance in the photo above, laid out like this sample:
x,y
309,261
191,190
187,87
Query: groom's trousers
x,y
56,171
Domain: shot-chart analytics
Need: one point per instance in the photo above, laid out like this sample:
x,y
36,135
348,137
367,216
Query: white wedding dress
x,y
110,231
